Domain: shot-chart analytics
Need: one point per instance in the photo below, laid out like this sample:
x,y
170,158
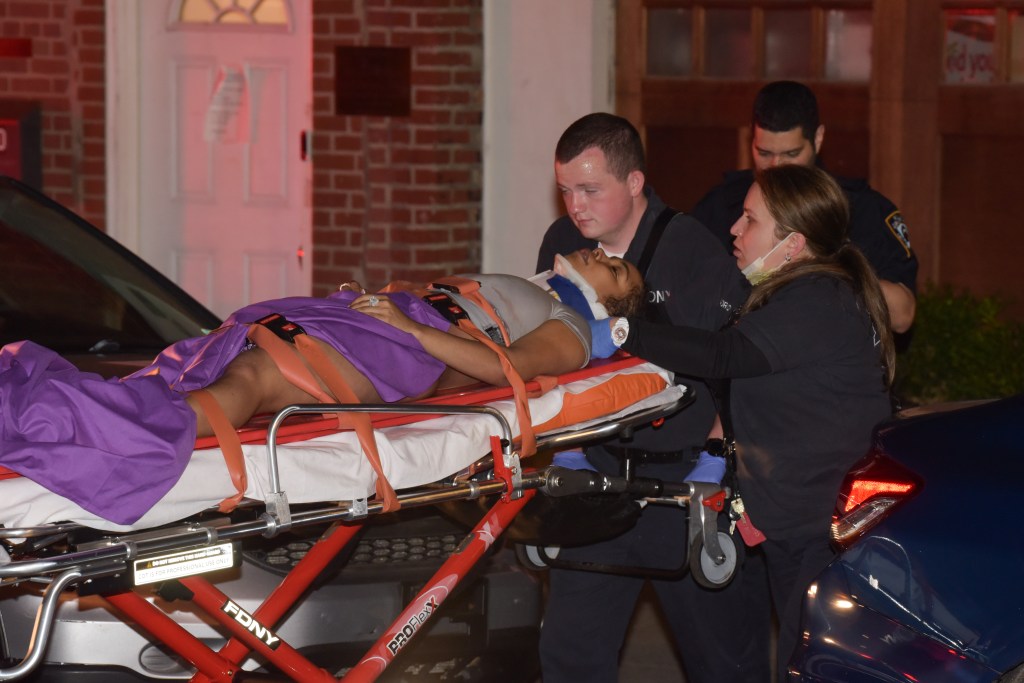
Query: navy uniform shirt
x,y
876,225
690,281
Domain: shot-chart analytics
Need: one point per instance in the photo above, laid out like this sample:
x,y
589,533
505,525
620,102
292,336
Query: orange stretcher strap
x,y
284,356
361,422
230,446
528,438
470,289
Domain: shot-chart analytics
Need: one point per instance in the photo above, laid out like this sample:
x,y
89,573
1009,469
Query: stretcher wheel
x,y
705,571
535,557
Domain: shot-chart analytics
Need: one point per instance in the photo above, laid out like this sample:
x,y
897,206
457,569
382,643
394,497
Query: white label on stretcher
x,y
184,563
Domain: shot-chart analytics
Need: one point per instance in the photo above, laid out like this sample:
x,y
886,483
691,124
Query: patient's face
x,y
610,276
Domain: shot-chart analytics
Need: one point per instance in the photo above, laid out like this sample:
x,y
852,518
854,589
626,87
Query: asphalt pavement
x,y
648,655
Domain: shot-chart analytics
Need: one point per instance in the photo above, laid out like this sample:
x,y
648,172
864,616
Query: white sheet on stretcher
x,y
326,468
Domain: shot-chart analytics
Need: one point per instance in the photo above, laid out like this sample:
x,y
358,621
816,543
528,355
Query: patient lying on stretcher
x,y
424,351
115,447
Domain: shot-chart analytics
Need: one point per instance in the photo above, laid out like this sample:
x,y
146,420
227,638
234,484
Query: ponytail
x,y
869,292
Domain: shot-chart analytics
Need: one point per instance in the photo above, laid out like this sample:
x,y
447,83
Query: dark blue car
x,y
929,586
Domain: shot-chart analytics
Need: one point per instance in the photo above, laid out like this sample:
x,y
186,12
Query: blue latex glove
x,y
572,460
709,469
601,345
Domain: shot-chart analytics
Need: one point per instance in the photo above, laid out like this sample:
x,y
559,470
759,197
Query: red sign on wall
x,y
10,148
970,46
21,149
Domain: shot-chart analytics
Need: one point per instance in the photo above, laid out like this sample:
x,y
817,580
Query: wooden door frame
x,y
123,145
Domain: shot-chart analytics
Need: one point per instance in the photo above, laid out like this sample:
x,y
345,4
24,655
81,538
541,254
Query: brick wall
x,y
399,197
393,197
65,74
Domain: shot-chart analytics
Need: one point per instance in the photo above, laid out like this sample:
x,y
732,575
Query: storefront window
x,y
848,45
669,42
787,43
1017,47
729,52
758,39
969,55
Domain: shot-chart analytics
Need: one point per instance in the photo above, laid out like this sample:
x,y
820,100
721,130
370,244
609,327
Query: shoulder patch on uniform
x,y
899,230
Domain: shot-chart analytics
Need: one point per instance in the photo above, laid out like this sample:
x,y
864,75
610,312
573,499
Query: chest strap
x,y
456,315
470,289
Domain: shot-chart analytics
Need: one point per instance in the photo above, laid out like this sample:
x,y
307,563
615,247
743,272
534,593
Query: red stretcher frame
x,y
224,664
512,487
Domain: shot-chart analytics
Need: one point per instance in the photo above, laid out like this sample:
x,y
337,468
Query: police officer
x,y
787,130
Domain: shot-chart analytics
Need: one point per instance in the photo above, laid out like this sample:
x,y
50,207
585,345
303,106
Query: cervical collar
x,y
572,289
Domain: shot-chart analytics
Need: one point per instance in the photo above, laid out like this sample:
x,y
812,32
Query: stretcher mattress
x,y
332,467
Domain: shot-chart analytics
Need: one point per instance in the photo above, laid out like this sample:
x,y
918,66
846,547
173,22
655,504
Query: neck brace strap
x,y
570,295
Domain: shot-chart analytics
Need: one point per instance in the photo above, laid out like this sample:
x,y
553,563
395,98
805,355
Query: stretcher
x,y
304,473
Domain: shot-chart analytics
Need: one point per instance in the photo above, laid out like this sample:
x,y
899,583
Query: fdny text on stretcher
x,y
249,622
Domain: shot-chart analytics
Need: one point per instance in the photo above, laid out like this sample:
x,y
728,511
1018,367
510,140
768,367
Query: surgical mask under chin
x,y
756,271
564,268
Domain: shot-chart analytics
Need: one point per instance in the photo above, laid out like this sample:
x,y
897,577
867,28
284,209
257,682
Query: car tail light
x,y
869,493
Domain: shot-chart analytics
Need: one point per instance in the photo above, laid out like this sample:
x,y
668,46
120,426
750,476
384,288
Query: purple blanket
x,y
115,447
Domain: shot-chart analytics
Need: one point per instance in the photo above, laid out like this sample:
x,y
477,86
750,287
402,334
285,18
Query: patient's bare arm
x,y
551,349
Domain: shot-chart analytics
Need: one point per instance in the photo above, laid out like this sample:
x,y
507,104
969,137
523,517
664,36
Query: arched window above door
x,y
264,14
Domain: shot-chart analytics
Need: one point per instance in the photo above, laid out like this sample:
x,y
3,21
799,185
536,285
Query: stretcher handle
x,y
563,481
43,627
705,501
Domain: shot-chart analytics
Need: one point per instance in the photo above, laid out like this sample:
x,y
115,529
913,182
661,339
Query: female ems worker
x,y
810,359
